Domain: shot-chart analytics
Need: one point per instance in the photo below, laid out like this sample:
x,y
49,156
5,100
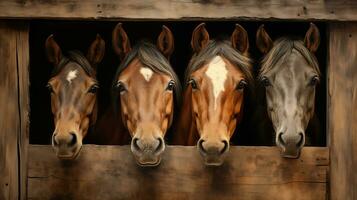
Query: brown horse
x,y
289,72
73,89
144,92
217,78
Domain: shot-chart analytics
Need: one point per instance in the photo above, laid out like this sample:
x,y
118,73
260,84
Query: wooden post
x,y
342,113
23,51
13,109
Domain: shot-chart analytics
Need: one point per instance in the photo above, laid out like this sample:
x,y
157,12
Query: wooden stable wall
x,y
110,172
341,111
13,109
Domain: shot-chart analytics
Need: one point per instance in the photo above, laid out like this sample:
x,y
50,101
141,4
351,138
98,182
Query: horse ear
x,y
53,51
165,42
312,38
120,41
96,51
263,40
240,39
200,38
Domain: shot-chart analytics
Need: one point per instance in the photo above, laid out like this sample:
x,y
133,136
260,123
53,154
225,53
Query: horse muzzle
x,y
213,153
66,146
148,152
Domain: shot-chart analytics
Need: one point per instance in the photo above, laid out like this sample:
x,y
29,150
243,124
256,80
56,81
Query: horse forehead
x,y
294,67
146,73
73,75
217,73
138,74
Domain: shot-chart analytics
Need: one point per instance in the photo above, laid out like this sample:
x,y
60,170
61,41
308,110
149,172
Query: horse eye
x,y
93,89
171,85
241,85
49,87
193,84
265,81
120,87
314,80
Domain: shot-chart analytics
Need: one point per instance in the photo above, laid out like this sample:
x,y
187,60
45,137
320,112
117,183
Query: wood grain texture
x,y
9,113
14,109
110,172
181,9
342,112
22,49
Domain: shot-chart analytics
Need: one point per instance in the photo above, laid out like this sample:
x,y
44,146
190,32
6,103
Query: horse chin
x,y
213,160
148,161
68,156
290,153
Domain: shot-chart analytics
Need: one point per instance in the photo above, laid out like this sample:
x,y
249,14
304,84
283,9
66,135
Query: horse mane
x,y
282,48
222,48
77,57
150,57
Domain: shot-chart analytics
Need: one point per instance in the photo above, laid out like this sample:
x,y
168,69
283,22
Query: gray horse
x,y
289,72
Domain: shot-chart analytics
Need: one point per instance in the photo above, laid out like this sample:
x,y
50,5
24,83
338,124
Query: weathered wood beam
x,y
22,52
342,110
181,9
9,113
109,172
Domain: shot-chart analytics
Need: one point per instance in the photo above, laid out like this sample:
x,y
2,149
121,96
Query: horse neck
x,y
90,137
259,119
185,128
110,128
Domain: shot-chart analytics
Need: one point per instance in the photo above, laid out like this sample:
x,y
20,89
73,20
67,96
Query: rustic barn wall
x,y
110,172
13,109
342,117
180,9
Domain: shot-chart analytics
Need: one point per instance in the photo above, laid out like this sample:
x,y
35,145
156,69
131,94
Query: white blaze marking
x,y
147,73
71,75
217,72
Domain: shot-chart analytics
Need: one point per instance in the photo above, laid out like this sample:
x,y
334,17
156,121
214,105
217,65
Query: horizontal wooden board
x,y
181,9
110,172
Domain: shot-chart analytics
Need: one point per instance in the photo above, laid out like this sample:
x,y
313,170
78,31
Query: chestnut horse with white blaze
x,y
289,72
73,87
218,78
144,92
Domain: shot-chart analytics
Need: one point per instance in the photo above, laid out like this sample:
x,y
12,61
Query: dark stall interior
x,y
79,35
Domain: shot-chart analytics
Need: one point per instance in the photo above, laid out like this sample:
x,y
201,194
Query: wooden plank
x,y
342,112
22,48
14,109
181,9
9,113
109,172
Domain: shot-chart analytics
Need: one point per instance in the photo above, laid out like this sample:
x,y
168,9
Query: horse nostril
x,y
160,145
135,143
301,141
225,146
200,145
73,139
280,138
54,140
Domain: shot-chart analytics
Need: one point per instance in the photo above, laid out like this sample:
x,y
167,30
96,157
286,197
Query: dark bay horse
x,y
145,88
73,88
218,78
289,73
